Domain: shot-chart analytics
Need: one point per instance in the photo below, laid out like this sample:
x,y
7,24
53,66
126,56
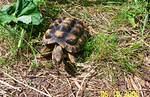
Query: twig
x,y
6,84
67,13
46,90
76,83
70,87
145,43
70,14
27,85
103,17
139,85
83,83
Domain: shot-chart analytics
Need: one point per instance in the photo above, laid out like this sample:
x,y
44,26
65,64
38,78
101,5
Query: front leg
x,y
57,57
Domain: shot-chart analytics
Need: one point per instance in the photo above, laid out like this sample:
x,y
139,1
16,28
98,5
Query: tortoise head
x,y
57,55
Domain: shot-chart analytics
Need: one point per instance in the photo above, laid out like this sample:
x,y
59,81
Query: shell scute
x,y
69,33
71,39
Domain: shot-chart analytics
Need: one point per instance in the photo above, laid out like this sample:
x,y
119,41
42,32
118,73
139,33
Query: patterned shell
x,y
69,33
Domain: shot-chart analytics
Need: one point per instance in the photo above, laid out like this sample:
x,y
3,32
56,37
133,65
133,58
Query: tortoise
x,y
65,37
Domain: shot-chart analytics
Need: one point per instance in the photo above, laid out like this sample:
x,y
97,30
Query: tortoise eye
x,y
58,21
51,26
77,31
47,34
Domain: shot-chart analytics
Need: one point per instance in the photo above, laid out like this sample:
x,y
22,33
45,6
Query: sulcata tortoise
x,y
65,37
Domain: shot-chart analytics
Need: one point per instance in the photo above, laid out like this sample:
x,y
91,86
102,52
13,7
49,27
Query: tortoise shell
x,y
69,33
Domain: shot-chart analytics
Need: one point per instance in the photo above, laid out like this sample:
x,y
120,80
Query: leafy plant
x,y
25,11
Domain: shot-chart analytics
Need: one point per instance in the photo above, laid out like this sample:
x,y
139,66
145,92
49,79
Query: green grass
x,y
126,57
27,52
104,47
10,37
131,13
109,49
100,47
8,46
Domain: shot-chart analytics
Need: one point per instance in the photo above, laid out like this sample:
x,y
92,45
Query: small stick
x,y
76,83
70,87
82,84
68,13
6,84
46,90
27,85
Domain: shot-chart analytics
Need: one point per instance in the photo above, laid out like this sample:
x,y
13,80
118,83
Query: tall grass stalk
x,y
144,24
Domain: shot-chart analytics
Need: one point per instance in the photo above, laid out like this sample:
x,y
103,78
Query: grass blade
x,y
21,38
145,22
